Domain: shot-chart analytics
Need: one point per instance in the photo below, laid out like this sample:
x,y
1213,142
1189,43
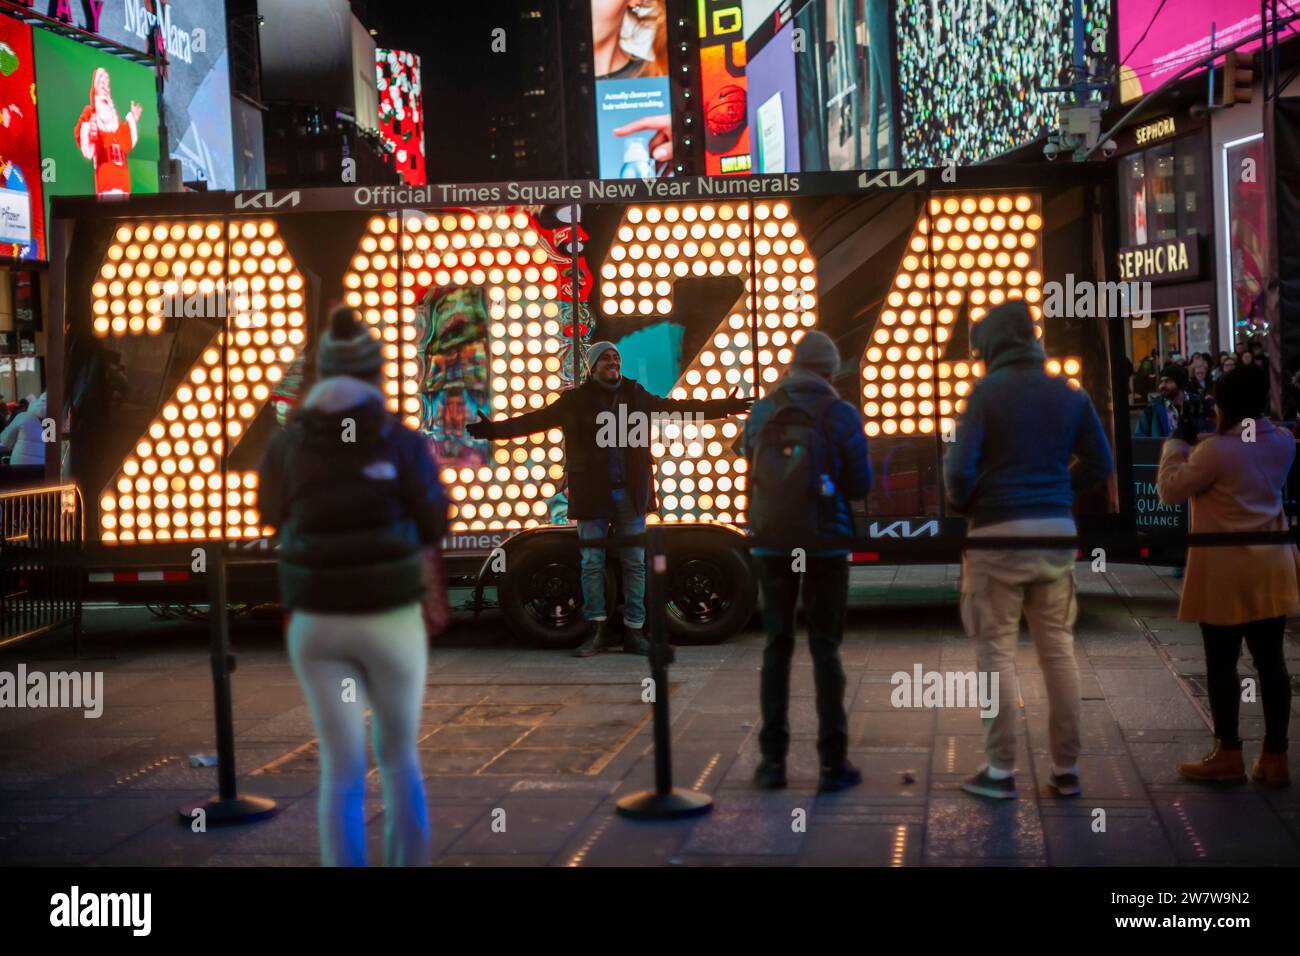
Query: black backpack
x,y
786,468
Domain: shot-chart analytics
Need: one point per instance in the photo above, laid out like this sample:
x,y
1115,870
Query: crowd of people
x,y
1185,387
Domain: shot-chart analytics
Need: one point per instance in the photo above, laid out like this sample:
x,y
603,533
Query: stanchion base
x,y
652,805
219,812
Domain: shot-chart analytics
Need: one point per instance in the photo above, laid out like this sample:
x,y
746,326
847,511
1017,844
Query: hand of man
x,y
480,429
734,405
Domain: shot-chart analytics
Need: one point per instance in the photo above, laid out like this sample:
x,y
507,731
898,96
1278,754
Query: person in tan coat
x,y
1234,479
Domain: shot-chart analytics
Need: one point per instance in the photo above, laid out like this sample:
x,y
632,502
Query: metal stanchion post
x,y
227,806
663,802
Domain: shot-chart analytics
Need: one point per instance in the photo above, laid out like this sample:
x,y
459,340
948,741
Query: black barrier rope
x,y
977,542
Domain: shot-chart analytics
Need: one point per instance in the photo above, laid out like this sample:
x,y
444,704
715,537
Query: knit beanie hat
x,y
348,348
816,352
596,349
1177,373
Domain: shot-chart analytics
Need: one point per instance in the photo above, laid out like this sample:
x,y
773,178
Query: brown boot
x,y
1271,770
1218,766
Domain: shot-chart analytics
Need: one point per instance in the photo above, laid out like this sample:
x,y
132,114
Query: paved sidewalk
x,y
553,742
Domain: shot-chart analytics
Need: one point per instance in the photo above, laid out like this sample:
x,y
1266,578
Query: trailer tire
x,y
540,593
711,589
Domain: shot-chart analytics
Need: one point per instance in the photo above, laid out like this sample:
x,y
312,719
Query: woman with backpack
x,y
356,501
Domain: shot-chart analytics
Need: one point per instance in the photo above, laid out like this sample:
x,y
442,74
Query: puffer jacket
x,y
23,435
353,516
849,464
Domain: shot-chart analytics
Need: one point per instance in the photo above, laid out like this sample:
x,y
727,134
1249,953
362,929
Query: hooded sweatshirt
x,y
1021,428
355,498
23,435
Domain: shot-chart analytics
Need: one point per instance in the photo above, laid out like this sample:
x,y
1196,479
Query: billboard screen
x,y
98,120
1157,43
969,79
196,95
846,85
724,88
22,212
634,121
809,88
401,111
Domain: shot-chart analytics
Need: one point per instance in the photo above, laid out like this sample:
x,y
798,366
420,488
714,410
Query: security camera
x,y
1051,150
1109,148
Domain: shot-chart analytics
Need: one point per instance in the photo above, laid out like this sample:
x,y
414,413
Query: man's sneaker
x,y
597,640
841,777
634,642
1065,784
982,785
770,775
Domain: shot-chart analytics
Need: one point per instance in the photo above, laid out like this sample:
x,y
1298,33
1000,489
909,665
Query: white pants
x,y
343,660
997,587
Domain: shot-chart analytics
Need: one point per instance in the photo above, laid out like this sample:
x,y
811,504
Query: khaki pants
x,y
996,587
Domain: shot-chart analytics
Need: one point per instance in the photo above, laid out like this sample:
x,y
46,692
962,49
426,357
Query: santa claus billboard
x,y
98,120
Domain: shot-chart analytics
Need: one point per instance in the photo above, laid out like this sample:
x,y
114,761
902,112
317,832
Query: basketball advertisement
x,y
98,121
22,214
724,88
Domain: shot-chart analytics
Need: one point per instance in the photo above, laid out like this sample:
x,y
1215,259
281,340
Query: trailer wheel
x,y
711,590
541,592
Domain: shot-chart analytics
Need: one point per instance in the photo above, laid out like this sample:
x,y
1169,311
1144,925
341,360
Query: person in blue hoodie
x,y
825,582
355,499
1024,444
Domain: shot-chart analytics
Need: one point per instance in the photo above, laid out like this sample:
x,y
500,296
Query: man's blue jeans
x,y
625,522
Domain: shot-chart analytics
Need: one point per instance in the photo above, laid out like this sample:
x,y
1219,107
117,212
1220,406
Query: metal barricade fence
x,y
41,533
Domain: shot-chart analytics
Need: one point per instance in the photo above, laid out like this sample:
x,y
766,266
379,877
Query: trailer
x,y
189,324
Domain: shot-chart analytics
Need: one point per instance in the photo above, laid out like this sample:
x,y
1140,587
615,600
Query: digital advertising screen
x,y
1159,40
634,122
22,211
773,113
845,75
810,88
196,88
968,82
723,86
401,111
98,120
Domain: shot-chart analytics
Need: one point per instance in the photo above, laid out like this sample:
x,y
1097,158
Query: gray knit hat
x,y
596,349
348,348
816,352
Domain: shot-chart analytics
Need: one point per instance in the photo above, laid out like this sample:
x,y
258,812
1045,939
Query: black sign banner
x,y
1170,260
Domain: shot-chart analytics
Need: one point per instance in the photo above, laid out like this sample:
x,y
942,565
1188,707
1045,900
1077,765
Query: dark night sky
x,y
461,74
